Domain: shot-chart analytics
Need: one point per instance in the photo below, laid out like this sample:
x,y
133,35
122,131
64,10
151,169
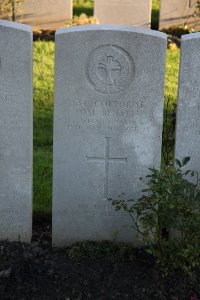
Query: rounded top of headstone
x,y
84,28
190,36
14,25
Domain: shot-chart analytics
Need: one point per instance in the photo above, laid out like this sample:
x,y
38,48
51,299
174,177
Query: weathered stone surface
x,y
123,12
188,109
15,131
107,126
45,14
176,12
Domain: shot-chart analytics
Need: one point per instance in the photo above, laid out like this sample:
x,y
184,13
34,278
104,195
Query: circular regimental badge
x,y
109,69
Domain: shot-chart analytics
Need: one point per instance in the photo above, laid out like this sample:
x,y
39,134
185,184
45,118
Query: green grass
x,y
43,80
171,90
43,118
171,78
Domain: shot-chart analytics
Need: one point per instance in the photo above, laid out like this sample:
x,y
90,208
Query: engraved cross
x,y
106,159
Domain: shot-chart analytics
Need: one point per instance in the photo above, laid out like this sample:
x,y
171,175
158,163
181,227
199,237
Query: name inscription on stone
x,y
106,114
10,219
193,113
190,99
10,118
91,210
5,98
190,95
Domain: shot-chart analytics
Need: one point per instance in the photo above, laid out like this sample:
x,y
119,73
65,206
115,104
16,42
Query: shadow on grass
x,y
155,19
43,130
42,162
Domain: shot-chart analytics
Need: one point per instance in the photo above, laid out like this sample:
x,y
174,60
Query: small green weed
x,y
98,250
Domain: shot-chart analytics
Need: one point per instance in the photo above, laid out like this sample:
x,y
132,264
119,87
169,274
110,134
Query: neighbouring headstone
x,y
107,126
123,12
45,14
188,109
177,12
15,131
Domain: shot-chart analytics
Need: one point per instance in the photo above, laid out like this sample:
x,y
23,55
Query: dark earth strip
x,y
96,271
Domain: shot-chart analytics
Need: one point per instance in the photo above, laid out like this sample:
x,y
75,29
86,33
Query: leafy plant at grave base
x,y
104,249
9,8
170,202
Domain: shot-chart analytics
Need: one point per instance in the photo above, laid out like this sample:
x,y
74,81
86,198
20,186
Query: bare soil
x,y
86,271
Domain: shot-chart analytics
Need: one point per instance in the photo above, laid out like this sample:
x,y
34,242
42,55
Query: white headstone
x,y
123,12
188,109
178,12
45,14
107,126
15,131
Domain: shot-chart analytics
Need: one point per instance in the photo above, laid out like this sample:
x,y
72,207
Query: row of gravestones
x,y
109,86
48,14
138,13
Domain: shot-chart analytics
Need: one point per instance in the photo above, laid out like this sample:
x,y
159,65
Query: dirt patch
x,y
86,271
